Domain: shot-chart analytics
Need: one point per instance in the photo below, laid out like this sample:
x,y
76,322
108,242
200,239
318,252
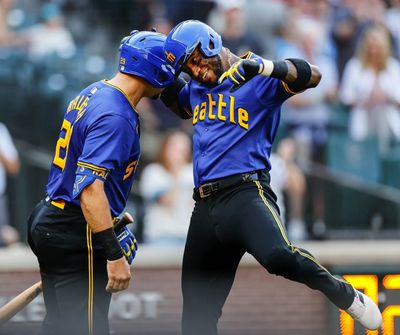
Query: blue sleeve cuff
x,y
85,175
92,170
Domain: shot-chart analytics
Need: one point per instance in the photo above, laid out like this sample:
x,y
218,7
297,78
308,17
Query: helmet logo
x,y
170,56
122,61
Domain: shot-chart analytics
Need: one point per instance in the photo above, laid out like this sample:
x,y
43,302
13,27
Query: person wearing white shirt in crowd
x,y
369,88
167,187
50,36
288,179
9,165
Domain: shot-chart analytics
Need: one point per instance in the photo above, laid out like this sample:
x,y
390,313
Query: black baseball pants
x,y
223,227
73,271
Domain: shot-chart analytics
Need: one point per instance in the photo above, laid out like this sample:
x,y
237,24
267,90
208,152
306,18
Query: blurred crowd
x,y
49,50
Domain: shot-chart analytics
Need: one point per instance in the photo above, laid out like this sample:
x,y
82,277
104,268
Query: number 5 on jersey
x,y
62,145
130,169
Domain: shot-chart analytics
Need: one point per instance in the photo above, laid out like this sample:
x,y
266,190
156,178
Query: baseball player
x,y
235,104
81,259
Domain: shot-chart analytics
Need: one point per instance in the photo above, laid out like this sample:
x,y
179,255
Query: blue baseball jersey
x,y
99,139
233,131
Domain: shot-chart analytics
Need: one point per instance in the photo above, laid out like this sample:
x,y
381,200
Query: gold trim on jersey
x,y
287,89
283,232
105,81
92,167
90,278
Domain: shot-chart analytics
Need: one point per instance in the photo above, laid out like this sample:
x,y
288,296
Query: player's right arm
x,y
96,209
171,95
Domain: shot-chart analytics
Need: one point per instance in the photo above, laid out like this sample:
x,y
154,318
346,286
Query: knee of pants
x,y
281,261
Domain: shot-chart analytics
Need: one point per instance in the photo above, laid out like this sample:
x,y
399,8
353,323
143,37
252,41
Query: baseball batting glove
x,y
128,243
242,71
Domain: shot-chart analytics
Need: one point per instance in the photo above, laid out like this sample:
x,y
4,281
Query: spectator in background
x,y
392,20
9,165
8,37
287,178
167,187
350,19
50,36
319,11
265,18
369,88
307,115
179,10
230,18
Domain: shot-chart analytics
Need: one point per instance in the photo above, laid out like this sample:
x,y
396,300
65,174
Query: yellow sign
x,y
369,284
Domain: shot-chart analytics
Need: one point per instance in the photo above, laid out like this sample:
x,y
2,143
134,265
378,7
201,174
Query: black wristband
x,y
280,70
170,94
304,73
108,240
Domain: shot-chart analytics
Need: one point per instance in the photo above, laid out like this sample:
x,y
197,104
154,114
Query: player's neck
x,y
132,87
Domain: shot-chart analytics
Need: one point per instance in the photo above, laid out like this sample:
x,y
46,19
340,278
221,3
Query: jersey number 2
x,y
63,143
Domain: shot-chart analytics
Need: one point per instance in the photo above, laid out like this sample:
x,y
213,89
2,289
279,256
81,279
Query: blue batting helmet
x,y
185,37
141,54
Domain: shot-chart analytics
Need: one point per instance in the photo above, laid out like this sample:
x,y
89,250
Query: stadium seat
x,y
390,165
359,158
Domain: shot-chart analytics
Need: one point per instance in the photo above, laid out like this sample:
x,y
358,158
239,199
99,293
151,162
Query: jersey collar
x,y
105,81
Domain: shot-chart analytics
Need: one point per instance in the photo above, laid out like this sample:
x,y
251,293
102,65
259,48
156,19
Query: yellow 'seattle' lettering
x,y
211,104
221,104
231,110
203,108
221,109
243,118
196,114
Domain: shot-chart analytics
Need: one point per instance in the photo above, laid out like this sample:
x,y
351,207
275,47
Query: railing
x,y
354,208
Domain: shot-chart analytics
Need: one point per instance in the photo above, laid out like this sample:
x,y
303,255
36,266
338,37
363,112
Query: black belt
x,y
209,189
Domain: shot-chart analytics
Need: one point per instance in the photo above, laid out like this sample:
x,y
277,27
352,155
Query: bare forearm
x,y
293,75
95,207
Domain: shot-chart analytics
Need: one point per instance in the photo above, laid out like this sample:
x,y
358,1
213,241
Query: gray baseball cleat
x,y
365,311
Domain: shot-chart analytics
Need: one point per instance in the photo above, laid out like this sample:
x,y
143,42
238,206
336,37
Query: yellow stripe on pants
x,y
90,278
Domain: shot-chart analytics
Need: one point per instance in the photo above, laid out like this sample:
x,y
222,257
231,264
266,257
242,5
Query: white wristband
x,y
266,67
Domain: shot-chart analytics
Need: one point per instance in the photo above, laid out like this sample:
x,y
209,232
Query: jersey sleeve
x,y
106,144
272,91
184,97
